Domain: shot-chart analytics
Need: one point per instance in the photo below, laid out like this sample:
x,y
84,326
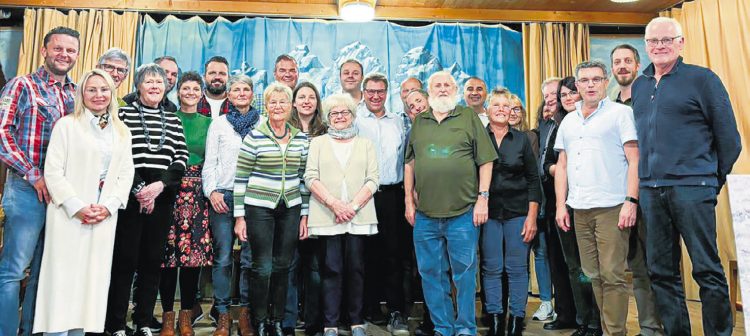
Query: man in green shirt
x,y
450,155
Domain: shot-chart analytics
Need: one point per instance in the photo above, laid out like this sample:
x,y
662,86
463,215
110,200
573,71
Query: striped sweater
x,y
166,164
266,175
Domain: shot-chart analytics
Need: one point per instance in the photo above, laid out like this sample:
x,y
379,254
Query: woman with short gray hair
x,y
160,158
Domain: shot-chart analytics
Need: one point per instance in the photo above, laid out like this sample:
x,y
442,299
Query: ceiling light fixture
x,y
357,10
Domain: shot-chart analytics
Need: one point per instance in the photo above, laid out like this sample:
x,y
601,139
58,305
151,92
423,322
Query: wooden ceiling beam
x,y
330,11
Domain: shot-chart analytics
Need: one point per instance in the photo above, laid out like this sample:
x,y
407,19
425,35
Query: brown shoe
x,y
246,328
167,324
184,322
223,325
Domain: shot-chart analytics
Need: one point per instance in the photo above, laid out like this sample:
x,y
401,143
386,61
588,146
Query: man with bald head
x,y
475,94
449,163
688,141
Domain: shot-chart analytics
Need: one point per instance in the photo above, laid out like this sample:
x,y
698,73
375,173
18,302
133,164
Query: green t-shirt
x,y
446,159
195,127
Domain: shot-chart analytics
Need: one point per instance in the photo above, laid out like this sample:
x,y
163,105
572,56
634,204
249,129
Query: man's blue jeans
x,y
23,243
444,246
222,228
512,259
541,266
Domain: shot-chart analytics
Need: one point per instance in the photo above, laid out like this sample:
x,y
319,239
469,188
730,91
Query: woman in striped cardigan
x,y
270,195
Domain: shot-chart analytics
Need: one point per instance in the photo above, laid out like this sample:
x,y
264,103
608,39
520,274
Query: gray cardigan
x,y
361,170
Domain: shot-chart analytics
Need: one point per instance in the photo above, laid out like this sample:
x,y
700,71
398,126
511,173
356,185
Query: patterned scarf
x,y
242,123
343,134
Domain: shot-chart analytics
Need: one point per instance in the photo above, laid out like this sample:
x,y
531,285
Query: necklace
x,y
286,131
146,135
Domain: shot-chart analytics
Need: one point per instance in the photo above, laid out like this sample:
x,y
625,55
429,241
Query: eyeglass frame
x,y
339,114
667,41
585,81
118,70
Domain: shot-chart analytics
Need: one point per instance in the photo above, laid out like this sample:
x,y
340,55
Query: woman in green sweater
x,y
189,240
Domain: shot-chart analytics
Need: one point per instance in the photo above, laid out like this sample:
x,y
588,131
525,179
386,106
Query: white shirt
x,y
387,134
215,106
597,167
222,149
484,118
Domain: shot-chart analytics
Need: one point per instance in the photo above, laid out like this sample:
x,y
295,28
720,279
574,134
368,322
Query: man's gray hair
x,y
410,79
550,80
375,77
594,63
240,78
115,54
676,24
149,69
441,73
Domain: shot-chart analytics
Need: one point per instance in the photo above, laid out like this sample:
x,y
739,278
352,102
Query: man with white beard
x,y
449,163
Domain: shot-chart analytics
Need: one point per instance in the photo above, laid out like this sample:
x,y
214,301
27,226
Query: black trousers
x,y
188,279
686,212
388,251
273,235
343,266
564,306
139,247
312,252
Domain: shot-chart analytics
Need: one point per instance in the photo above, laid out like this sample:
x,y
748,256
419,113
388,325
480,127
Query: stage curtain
x,y
550,50
716,37
100,30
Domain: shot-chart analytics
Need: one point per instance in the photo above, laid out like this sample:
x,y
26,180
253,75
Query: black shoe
x,y
515,325
397,325
376,316
581,331
425,328
594,332
154,325
497,325
559,325
144,331
288,331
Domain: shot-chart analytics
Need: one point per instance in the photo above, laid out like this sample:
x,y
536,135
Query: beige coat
x,y
77,260
361,170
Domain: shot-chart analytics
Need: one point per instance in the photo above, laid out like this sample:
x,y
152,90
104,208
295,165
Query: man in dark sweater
x,y
688,142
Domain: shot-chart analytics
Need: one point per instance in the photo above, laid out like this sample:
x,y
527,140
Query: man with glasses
x,y
117,64
597,175
386,251
475,94
688,142
625,65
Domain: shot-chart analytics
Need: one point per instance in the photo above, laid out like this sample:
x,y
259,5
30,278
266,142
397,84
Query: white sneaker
x,y
545,312
119,333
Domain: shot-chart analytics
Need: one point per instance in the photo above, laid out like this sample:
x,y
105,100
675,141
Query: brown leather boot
x,y
184,322
167,324
223,325
246,328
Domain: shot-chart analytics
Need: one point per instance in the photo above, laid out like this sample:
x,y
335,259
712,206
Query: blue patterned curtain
x,y
491,52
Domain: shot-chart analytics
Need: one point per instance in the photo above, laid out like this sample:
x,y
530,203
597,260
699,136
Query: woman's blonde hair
x,y
114,106
522,125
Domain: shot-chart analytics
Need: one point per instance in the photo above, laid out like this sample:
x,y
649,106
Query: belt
x,y
389,187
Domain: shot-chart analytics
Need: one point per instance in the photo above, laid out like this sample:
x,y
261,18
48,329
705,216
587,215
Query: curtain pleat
x,y
550,50
99,29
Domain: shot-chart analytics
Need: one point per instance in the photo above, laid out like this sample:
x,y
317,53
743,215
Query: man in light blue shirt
x,y
386,251
598,172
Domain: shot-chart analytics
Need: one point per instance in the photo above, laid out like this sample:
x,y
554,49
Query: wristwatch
x,y
631,200
484,194
357,207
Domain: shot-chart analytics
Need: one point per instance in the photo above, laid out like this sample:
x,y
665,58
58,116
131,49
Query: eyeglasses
x,y
380,93
586,81
345,113
109,68
516,110
667,41
575,93
504,108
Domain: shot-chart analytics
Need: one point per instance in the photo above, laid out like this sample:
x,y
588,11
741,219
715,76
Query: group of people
x,y
336,201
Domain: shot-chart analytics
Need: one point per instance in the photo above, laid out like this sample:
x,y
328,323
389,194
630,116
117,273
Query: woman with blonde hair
x,y
89,173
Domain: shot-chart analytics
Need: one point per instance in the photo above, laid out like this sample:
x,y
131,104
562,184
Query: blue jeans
x,y
291,311
444,246
513,260
686,212
23,243
541,266
222,228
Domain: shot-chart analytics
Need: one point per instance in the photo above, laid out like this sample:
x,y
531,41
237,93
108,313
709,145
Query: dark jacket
x,y
687,134
166,104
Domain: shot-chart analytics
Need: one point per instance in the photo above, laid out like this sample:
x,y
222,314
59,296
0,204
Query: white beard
x,y
442,104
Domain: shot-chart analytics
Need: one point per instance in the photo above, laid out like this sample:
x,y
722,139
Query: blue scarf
x,y
242,123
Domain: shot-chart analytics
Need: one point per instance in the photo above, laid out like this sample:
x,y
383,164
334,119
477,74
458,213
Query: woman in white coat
x,y
89,173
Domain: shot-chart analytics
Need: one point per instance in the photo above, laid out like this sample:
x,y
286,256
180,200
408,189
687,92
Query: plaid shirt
x,y
204,107
29,107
